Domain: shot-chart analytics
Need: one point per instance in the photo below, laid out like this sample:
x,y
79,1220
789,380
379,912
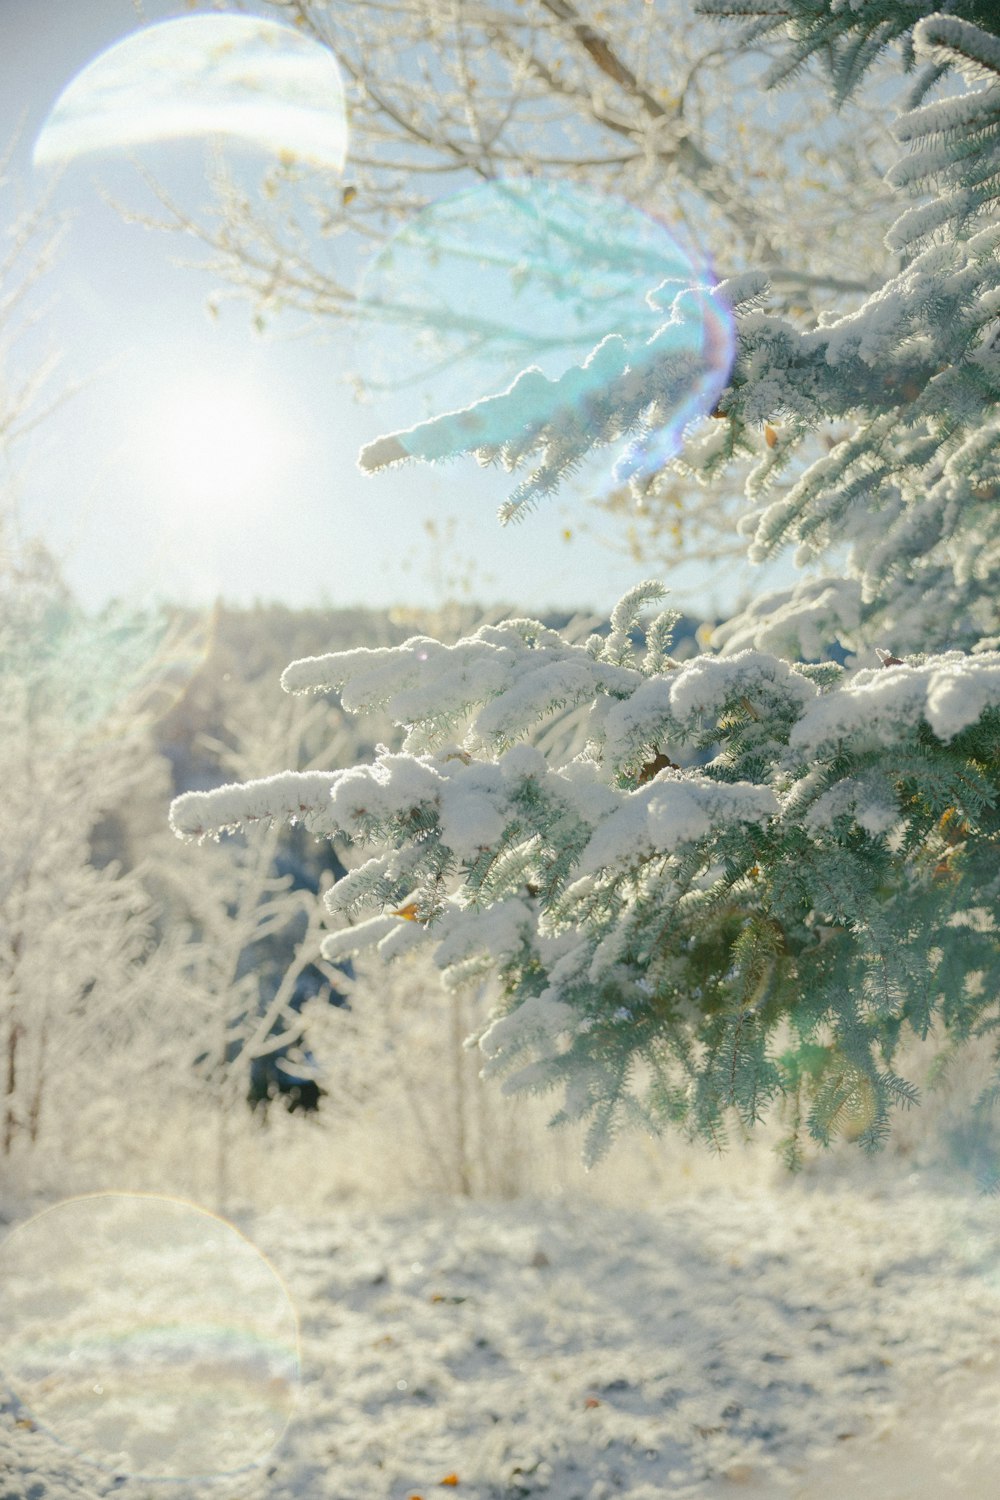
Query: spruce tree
x,y
752,875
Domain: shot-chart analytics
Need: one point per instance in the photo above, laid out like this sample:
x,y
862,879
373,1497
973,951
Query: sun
x,y
212,441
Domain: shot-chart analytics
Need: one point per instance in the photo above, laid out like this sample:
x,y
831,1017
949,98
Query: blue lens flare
x,y
581,286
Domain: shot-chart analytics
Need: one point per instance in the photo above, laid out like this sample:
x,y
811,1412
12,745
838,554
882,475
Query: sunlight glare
x,y
212,442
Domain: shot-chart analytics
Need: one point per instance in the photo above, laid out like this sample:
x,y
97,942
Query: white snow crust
x,y
949,691
673,809
804,1339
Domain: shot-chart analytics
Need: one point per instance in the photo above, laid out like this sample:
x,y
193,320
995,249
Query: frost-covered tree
x,y
754,874
251,938
74,930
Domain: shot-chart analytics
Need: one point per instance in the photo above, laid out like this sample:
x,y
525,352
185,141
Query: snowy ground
x,y
813,1339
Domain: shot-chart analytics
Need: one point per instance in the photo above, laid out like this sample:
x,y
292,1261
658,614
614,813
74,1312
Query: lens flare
x,y
97,675
147,1336
255,82
518,274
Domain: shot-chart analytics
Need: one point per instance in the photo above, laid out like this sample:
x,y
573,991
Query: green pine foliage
x,y
754,874
846,36
750,881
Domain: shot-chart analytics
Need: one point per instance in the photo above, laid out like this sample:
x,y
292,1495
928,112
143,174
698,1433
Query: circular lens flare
x,y
254,82
147,1336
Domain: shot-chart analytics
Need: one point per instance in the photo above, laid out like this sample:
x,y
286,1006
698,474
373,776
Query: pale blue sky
x,y
133,329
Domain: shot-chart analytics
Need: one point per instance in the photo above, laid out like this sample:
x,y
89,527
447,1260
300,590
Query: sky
x,y
126,483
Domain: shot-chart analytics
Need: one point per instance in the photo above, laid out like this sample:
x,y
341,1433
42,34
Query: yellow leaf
x,y
770,436
410,912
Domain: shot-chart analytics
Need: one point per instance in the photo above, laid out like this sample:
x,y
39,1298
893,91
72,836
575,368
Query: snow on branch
x,y
677,808
291,797
517,673
946,117
651,388
948,693
630,909
957,43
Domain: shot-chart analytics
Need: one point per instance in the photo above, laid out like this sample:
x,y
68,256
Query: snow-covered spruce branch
x,y
918,347
862,360
672,940
910,379
625,387
959,44
847,36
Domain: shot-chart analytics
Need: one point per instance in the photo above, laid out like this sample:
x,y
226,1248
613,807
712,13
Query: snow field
x,y
792,1339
